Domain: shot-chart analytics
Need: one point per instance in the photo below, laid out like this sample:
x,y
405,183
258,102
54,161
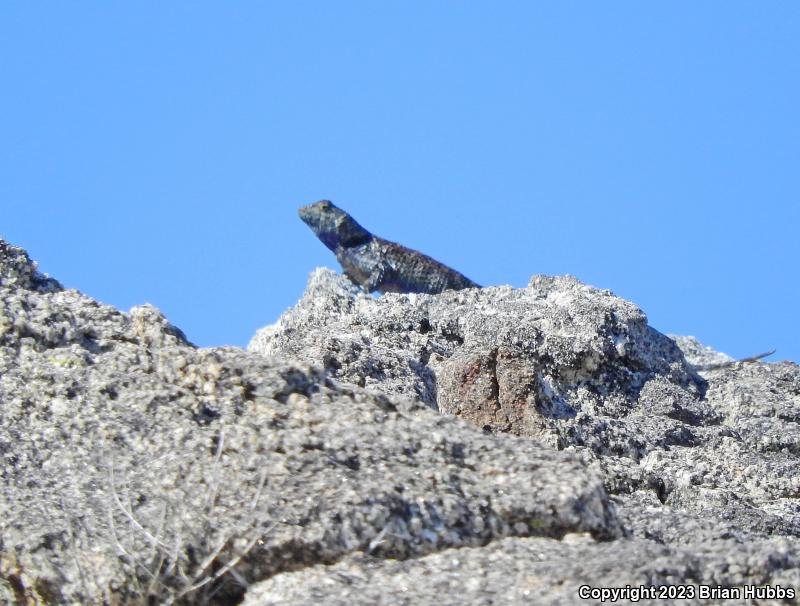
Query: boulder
x,y
138,468
482,446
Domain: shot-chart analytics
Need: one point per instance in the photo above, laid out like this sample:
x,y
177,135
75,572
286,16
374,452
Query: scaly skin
x,y
376,264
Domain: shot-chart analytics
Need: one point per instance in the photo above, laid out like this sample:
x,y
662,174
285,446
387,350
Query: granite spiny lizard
x,y
374,263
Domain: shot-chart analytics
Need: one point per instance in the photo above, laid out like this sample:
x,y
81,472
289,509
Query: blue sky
x,y
158,152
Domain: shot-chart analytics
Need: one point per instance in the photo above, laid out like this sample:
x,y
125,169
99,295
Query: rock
x,y
17,270
533,571
697,461
139,468
335,469
532,362
559,361
698,354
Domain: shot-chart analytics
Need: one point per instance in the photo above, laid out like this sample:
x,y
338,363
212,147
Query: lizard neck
x,y
346,234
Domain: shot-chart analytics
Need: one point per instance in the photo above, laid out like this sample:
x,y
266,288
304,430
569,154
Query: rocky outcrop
x,y
138,468
702,465
483,446
540,571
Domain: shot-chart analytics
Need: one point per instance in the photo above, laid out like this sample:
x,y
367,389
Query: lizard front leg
x,y
363,267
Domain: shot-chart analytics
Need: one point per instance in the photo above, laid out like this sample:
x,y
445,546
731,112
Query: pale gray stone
x,y
699,462
137,467
327,465
522,571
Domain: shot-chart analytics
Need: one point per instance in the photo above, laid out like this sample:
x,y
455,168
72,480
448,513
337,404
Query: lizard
x,y
376,264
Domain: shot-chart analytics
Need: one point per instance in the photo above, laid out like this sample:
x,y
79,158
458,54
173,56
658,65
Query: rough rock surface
x,y
698,354
703,464
531,571
139,469
559,361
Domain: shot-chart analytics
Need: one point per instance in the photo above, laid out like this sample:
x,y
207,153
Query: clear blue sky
x,y
158,151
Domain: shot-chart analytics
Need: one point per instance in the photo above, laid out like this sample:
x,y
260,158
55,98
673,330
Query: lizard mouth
x,y
310,213
304,214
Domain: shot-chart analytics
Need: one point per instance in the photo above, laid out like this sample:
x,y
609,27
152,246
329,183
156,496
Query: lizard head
x,y
333,226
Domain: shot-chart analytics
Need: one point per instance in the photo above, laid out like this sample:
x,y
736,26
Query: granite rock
x,y
703,464
475,447
536,571
138,468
